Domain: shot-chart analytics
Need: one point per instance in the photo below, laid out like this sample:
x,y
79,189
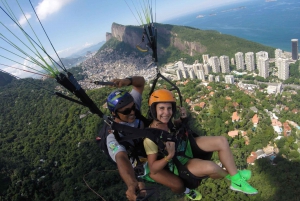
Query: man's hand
x,y
182,111
131,192
121,82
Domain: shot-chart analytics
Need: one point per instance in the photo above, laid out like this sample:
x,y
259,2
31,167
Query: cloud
x,y
23,19
87,44
71,50
48,7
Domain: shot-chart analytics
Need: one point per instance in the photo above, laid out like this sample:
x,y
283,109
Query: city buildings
x,y
215,64
229,79
283,69
224,60
211,78
249,60
201,75
263,67
278,54
239,60
205,58
262,54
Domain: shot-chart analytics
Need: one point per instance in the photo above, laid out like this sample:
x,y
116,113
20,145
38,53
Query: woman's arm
x,y
157,165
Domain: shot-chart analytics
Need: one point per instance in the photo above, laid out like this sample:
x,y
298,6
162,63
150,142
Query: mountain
x,y
176,42
81,56
5,78
88,50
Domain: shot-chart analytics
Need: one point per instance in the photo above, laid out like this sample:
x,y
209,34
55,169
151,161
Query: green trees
x,y
46,146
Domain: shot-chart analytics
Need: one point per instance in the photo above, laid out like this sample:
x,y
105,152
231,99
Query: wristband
x,y
130,79
166,159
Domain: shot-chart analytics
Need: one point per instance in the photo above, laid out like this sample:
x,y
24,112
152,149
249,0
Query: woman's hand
x,y
170,148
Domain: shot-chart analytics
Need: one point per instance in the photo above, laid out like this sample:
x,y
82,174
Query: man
x,y
123,107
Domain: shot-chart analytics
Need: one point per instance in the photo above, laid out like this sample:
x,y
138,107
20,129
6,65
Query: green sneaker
x,y
246,174
194,195
242,186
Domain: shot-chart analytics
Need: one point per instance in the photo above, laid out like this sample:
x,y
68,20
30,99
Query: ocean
x,y
272,23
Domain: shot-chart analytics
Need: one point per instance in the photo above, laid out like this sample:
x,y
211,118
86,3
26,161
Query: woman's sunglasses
x,y
127,111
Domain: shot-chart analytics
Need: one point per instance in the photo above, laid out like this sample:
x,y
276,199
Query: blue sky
x,y
74,24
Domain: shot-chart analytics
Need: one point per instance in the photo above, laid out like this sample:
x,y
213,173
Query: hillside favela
x,y
242,90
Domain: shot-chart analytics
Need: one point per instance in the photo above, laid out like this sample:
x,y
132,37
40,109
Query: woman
x,y
162,108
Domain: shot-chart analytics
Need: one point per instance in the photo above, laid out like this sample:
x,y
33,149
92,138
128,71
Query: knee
x,y
223,142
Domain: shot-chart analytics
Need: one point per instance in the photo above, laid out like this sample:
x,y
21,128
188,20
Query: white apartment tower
x,y
180,65
262,54
207,69
239,59
224,60
217,78
215,64
278,54
205,58
196,66
263,67
200,75
232,61
211,78
283,69
185,73
229,79
249,60
179,74
192,74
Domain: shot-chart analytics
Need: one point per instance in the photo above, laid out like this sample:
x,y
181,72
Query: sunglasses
x,y
127,111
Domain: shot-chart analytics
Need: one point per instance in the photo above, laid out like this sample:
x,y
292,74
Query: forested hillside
x,y
47,145
5,78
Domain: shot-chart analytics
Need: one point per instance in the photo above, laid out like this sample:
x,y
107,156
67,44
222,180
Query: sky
x,y
72,25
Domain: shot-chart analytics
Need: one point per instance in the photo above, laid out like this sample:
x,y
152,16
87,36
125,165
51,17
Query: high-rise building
x,y
229,79
249,60
224,60
179,74
263,67
205,58
278,54
215,64
180,65
211,78
239,60
207,69
217,78
294,49
283,69
232,61
200,75
262,54
192,74
185,73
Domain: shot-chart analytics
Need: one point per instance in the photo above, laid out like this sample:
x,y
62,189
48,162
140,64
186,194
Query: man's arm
x,y
127,173
137,82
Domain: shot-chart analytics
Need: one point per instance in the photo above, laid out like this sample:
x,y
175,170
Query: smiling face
x,y
164,112
127,113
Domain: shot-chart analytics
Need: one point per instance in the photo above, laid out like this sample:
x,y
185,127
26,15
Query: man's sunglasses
x,y
127,111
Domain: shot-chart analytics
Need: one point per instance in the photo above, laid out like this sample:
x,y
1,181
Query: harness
x,y
160,137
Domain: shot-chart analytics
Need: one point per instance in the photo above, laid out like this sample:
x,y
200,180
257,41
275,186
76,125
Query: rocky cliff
x,y
166,37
